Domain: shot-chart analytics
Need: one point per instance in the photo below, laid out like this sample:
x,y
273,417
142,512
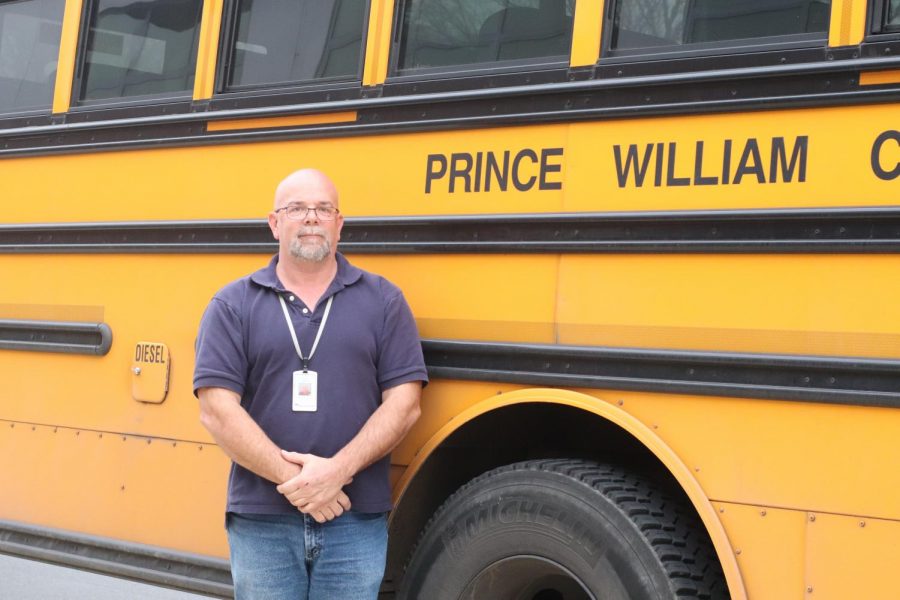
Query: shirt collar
x,y
346,275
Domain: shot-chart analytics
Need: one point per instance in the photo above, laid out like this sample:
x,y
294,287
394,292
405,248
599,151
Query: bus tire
x,y
562,530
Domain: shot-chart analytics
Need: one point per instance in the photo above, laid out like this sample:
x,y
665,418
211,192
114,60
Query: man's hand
x,y
316,491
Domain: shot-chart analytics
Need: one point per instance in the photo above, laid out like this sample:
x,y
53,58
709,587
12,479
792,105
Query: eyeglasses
x,y
298,212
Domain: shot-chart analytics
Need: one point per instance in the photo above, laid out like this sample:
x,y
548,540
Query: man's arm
x,y
322,478
242,439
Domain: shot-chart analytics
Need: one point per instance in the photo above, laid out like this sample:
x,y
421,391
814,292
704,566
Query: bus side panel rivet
x,y
809,589
621,403
762,513
812,518
737,551
862,523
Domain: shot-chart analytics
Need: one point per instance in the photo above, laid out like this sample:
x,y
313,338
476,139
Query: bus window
x,y
295,41
658,24
443,33
887,16
29,45
137,48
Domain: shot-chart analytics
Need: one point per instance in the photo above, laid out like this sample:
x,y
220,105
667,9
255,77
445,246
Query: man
x,y
309,373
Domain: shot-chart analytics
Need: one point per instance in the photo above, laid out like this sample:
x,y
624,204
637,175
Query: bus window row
x,y
147,49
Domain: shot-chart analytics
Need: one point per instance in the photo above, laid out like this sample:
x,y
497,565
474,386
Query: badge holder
x,y
305,391
305,386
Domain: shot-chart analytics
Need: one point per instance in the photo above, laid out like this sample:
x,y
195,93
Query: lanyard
x,y
287,318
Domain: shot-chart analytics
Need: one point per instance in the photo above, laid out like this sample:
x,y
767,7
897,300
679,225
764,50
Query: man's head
x,y
300,221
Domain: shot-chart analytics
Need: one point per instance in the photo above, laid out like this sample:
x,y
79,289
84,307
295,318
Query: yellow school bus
x,y
651,247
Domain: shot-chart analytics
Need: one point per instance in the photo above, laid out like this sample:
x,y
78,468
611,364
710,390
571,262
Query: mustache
x,y
311,231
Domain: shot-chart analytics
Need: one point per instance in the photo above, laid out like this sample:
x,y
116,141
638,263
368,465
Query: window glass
x,y
893,17
29,45
442,33
135,48
654,23
285,41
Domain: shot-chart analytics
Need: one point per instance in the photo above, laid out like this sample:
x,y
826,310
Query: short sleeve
x,y
220,358
400,358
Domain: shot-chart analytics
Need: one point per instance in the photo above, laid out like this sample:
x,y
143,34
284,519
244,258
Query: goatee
x,y
310,253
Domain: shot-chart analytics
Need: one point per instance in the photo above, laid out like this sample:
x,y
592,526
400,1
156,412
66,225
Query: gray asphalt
x,y
22,579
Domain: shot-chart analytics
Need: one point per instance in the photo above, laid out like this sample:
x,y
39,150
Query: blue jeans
x,y
291,557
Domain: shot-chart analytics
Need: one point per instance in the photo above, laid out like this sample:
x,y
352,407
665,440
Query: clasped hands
x,y
318,489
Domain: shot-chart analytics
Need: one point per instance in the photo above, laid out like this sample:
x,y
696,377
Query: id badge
x,y
305,391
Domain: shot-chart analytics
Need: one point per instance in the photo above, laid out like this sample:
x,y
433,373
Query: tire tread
x,y
673,531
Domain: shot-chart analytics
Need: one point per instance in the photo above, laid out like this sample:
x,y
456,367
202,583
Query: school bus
x,y
651,246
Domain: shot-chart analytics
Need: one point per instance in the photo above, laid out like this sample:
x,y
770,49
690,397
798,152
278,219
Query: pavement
x,y
22,579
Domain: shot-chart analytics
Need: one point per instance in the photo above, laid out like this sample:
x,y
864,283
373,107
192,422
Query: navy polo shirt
x,y
369,344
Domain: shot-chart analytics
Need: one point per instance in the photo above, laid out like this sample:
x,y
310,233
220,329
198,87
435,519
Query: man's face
x,y
301,231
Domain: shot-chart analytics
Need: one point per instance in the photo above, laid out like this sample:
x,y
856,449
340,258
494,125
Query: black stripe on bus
x,y
128,560
837,380
67,337
803,230
823,83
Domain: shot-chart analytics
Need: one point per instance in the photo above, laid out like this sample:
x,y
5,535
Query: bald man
x,y
308,372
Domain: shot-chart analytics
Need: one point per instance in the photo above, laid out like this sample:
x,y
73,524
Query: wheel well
x,y
506,435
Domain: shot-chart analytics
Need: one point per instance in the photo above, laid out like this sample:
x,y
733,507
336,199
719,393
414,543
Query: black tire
x,y
562,530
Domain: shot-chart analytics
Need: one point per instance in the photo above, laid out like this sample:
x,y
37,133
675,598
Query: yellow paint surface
x,y
391,181
812,554
136,293
459,303
795,304
794,455
770,547
294,121
68,46
208,49
52,312
852,557
159,492
848,22
586,33
879,77
378,42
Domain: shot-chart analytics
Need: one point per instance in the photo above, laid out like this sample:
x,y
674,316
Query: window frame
x,y
468,70
877,15
25,117
78,104
288,89
741,46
